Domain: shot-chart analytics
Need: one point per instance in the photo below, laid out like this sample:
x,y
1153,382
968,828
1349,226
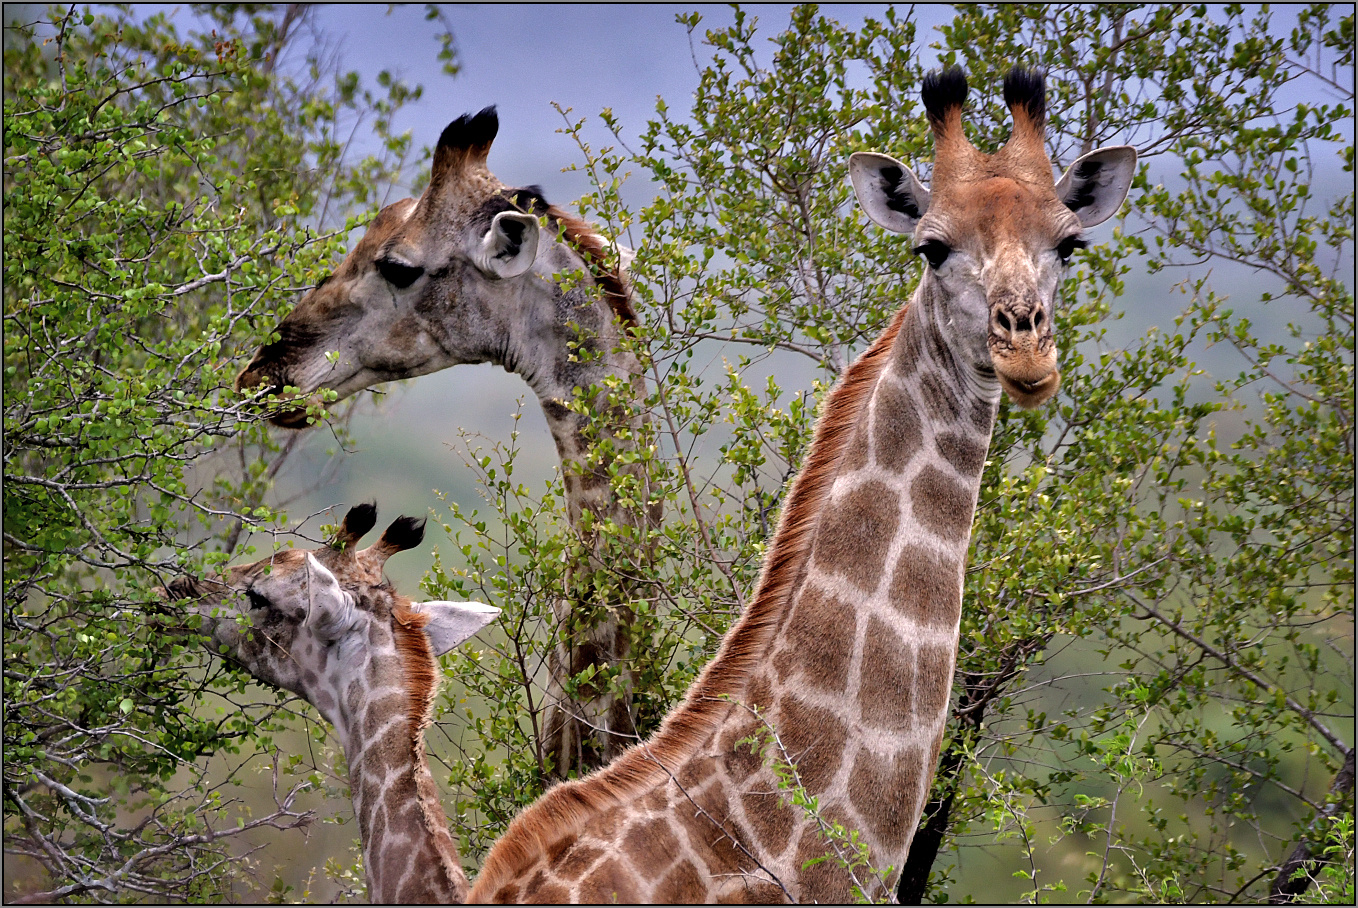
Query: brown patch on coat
x,y
940,400
814,740
819,639
896,432
741,749
609,883
927,588
752,891
965,453
933,681
887,680
886,793
650,845
546,892
702,820
681,886
944,505
771,820
856,457
825,882
856,532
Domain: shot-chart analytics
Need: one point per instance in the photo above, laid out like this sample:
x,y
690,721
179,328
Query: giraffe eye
x,y
398,274
258,601
934,251
1066,248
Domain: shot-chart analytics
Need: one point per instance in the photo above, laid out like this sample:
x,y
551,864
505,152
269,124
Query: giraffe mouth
x,y
1030,393
293,414
1027,371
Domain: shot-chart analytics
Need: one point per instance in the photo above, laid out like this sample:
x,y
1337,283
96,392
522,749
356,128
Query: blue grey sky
x,y
525,58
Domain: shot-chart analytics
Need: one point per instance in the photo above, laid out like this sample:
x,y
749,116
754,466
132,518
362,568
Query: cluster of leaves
x,y
165,199
1196,538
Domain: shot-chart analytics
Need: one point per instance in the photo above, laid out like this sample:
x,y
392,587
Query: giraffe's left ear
x,y
1097,183
452,622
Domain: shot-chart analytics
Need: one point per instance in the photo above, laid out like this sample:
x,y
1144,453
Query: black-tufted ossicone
x,y
471,130
1027,88
943,91
360,519
404,533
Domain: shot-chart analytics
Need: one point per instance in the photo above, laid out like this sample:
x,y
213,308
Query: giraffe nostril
x,y
1037,318
1003,321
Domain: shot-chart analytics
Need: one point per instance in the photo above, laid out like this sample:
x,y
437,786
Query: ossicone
x,y
360,519
1025,90
403,533
471,130
465,141
943,93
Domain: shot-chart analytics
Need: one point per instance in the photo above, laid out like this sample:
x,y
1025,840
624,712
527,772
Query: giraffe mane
x,y
594,248
422,681
563,810
421,668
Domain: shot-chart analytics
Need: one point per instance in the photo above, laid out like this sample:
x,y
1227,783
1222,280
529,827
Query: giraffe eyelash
x,y
1066,248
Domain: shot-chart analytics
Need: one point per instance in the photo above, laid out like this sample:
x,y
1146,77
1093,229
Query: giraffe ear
x,y
510,245
452,622
892,196
1095,186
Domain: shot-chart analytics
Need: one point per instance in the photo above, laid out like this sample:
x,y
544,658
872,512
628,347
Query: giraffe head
x,y
460,275
996,230
318,622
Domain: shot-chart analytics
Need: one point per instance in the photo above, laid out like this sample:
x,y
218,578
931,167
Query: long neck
x,y
859,668
845,649
408,854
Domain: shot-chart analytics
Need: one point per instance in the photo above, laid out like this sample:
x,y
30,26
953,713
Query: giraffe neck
x,y
845,651
408,853
589,727
587,484
861,663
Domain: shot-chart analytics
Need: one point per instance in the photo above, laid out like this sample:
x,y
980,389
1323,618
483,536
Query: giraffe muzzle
x,y
1023,352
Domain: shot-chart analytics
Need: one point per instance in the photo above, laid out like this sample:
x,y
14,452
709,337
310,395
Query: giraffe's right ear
x,y
452,622
510,246
890,193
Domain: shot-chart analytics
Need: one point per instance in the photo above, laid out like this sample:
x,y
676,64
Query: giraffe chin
x,y
1030,394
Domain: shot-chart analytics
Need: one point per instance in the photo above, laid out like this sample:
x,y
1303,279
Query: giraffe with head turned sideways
x,y
464,274
326,625
843,658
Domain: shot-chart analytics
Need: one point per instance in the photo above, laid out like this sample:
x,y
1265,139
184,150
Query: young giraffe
x,y
462,275
846,651
325,625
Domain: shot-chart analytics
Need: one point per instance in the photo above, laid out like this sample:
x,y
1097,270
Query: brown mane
x,y
421,668
595,248
562,811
